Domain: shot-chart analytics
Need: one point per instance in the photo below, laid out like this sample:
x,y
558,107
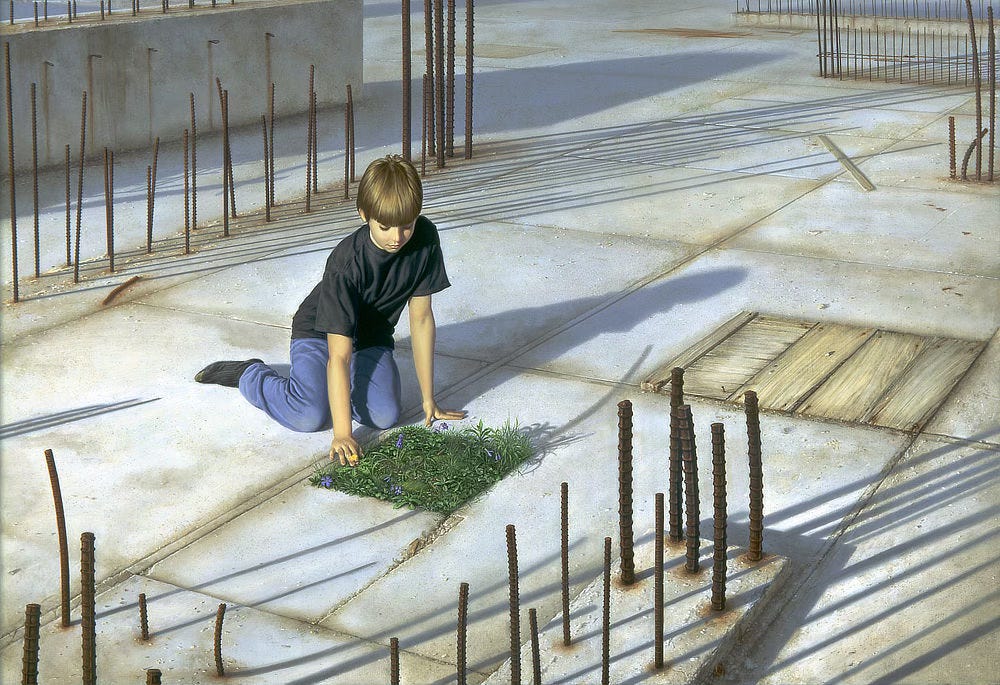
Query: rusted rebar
x,y
439,143
606,617
429,71
220,614
79,188
107,212
690,459
394,660
350,127
10,164
536,660
468,79
992,73
143,616
407,64
187,198
625,492
309,146
87,609
756,476
270,139
658,585
425,113
225,167
229,156
719,519
267,170
149,209
315,145
152,194
102,9
194,166
515,616
450,84
952,166
463,619
347,153
34,169
111,208
69,230
564,497
977,80
29,660
676,485
153,676
973,146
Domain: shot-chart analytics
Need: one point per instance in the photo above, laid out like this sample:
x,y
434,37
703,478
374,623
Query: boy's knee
x,y
311,420
384,417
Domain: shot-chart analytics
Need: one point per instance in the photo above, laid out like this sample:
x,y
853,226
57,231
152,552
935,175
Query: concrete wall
x,y
125,112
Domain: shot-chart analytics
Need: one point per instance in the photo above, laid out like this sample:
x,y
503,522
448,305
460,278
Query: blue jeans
x,y
300,402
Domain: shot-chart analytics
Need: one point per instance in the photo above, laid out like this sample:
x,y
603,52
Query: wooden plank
x,y
806,364
741,356
862,380
924,386
661,377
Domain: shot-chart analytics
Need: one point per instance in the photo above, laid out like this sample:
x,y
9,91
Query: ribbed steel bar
x,y
606,617
267,170
625,492
220,615
425,113
69,230
270,138
10,164
229,155
315,145
676,484
50,463
394,660
429,69
29,659
468,77
407,77
79,188
143,617
658,585
187,196
34,170
439,143
152,188
719,519
463,620
153,676
977,80
515,615
87,609
194,166
225,168
309,146
450,83
347,151
690,459
756,514
536,661
149,209
952,165
350,127
564,497
993,91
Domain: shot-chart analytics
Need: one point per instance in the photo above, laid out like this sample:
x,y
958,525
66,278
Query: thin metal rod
x,y
536,661
220,615
229,156
690,459
756,514
270,137
143,617
309,146
79,188
658,585
34,170
463,619
429,69
32,616
50,463
394,660
225,168
194,166
267,170
347,152
439,80
515,618
606,617
87,609
564,492
69,240
676,485
952,166
993,91
719,519
10,164
187,197
424,114
625,492
350,126
407,85
468,78
450,83
107,212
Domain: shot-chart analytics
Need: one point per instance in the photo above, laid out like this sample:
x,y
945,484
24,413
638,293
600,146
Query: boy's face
x,y
389,238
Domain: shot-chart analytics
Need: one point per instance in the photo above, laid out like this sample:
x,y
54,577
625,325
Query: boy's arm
x,y
338,383
422,332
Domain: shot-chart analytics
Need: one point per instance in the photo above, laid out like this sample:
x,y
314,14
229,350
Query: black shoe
x,y
225,373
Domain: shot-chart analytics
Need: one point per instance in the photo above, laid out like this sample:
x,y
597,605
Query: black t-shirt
x,y
365,288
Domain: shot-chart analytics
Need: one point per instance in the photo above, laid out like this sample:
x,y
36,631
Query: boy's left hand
x,y
432,413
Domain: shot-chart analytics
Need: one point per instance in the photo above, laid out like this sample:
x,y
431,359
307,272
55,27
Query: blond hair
x,y
390,192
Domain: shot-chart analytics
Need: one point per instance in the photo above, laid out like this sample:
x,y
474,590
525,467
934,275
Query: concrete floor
x,y
630,192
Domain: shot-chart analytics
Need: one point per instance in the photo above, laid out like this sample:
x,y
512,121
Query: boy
x,y
342,364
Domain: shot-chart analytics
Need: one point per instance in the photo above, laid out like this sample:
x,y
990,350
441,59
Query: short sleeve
x,y
338,306
434,278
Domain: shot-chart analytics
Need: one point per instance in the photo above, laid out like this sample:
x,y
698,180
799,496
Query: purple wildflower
x,y
387,479
397,490
399,441
326,481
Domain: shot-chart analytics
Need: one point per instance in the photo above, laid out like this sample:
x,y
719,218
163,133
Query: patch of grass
x,y
436,469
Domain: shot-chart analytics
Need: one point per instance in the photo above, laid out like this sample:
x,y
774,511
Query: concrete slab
x,y
692,629
910,594
257,646
972,410
575,424
957,234
677,310
299,554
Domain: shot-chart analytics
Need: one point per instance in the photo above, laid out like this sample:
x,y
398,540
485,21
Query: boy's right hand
x,y
347,450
